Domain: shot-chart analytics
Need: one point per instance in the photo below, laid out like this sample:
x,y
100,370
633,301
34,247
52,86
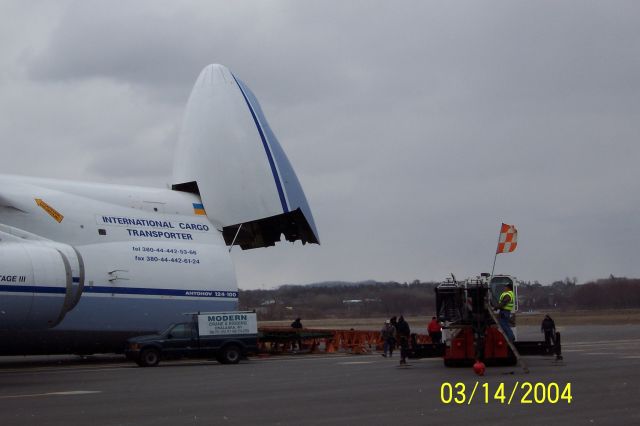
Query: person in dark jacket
x,y
403,332
297,325
548,327
394,321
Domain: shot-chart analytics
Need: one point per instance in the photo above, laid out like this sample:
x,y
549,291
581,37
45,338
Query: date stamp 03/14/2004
x,y
506,393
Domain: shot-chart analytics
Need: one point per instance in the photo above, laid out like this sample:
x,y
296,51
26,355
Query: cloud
x,y
415,127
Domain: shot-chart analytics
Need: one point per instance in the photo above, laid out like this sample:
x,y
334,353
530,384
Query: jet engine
x,y
40,281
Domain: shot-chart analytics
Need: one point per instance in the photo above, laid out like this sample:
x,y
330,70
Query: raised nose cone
x,y
212,75
230,154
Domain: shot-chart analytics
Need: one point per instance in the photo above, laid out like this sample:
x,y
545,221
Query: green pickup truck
x,y
225,336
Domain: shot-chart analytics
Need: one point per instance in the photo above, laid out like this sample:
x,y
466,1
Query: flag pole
x,y
494,265
495,256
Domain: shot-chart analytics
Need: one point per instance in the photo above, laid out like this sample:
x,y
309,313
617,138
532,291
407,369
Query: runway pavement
x,y
601,364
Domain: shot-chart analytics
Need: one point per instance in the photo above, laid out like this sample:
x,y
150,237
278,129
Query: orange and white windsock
x,y
508,240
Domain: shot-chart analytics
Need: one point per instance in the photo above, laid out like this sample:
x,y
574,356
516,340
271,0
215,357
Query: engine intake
x,y
40,281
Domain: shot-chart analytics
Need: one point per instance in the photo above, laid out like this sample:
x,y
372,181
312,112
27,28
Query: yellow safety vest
x,y
509,306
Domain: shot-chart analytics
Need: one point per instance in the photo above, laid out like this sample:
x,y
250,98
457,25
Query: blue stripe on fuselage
x,y
124,291
32,289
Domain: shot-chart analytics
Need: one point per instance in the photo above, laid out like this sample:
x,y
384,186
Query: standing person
x,y
506,304
297,325
388,334
435,330
394,321
403,331
548,327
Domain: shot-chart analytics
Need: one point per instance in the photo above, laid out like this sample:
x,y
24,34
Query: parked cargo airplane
x,y
84,266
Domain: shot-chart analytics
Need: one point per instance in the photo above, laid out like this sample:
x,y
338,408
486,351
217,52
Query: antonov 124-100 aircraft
x,y
84,266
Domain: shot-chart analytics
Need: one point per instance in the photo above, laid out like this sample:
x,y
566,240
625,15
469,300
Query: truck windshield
x,y
167,330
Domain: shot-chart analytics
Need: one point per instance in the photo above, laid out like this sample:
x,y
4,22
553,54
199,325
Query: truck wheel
x,y
230,354
149,358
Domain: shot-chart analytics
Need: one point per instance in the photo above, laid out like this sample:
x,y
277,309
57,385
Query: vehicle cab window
x,y
497,286
181,331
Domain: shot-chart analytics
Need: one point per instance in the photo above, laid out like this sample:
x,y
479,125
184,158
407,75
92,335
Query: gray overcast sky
x,y
415,127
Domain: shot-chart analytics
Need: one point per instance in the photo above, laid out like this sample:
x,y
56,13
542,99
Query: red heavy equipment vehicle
x,y
472,331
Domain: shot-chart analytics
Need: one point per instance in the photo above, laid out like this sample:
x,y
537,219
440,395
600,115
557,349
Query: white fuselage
x,y
148,256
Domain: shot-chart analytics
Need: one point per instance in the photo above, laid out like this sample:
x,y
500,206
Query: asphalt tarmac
x,y
601,366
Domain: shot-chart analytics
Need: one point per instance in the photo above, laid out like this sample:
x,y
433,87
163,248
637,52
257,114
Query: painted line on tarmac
x,y
355,362
631,357
616,346
304,357
605,345
603,348
600,353
601,342
165,363
70,369
65,393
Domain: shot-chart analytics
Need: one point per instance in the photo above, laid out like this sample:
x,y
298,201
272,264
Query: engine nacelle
x,y
40,281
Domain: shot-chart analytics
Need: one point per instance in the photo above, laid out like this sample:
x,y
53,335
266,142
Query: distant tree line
x,y
609,293
385,299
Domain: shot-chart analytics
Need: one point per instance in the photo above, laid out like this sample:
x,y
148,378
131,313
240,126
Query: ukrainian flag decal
x,y
199,209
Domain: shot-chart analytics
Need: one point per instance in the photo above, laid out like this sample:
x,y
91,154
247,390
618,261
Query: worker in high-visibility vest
x,y
506,303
